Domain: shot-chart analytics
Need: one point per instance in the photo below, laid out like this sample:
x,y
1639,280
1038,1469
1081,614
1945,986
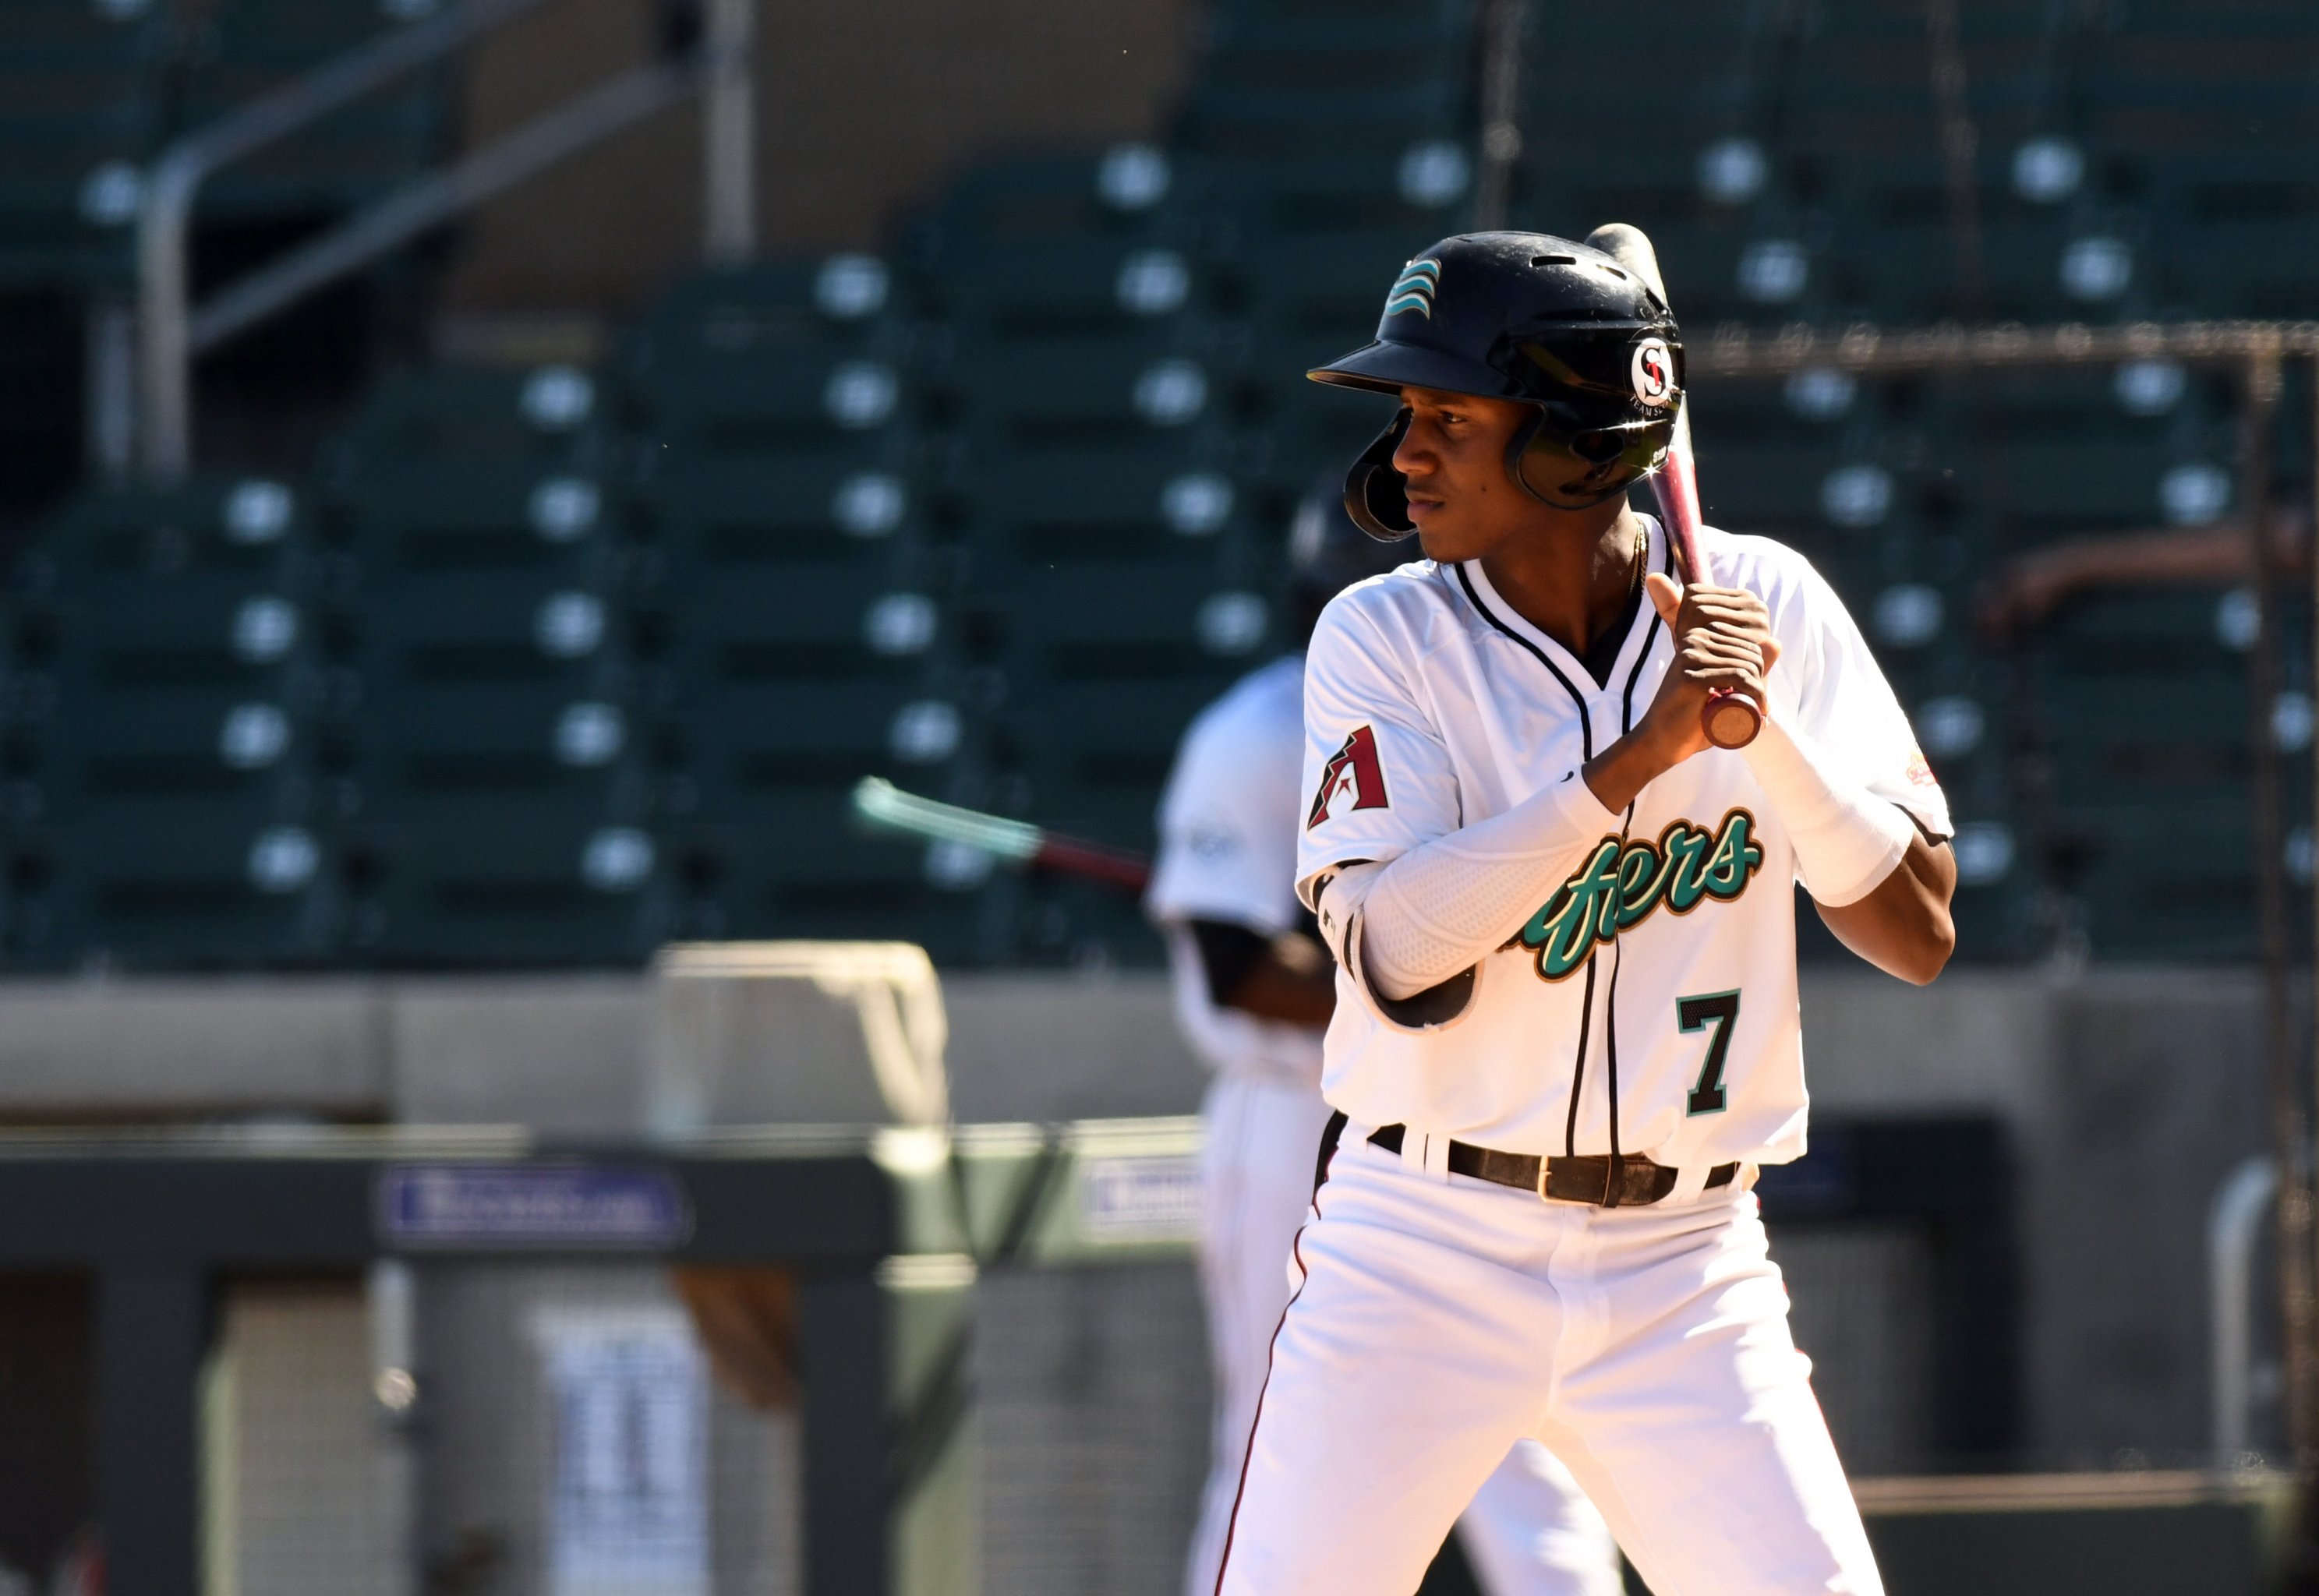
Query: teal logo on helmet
x,y
1413,289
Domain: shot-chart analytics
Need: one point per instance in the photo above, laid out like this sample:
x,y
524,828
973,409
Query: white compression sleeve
x,y
1446,905
1846,839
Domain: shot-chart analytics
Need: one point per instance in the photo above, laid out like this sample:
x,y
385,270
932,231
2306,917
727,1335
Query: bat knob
x,y
1730,720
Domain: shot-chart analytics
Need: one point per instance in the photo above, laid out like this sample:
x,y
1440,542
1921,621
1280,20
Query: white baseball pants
x,y
1439,1320
1527,1531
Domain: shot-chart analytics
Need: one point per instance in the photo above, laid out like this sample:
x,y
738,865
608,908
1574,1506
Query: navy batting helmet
x,y
1534,318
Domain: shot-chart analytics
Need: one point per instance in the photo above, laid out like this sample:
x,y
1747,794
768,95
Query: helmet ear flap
x,y
1375,494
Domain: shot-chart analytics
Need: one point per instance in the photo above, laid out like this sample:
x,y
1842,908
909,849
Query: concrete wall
x,y
563,1054
862,110
2128,1094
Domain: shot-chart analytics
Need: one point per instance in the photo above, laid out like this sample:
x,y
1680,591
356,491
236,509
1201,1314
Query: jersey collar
x,y
1640,630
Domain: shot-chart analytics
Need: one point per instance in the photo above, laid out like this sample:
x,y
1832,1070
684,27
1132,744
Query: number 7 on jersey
x,y
1720,1010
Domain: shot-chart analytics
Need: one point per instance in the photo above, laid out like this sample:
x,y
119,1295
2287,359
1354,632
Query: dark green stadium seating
x,y
1095,286
992,514
187,731
798,608
79,110
746,363
1129,191
779,706
1273,88
1327,195
508,798
2144,714
499,837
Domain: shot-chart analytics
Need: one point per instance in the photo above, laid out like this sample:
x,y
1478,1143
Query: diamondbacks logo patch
x,y
1352,770
1652,371
1414,289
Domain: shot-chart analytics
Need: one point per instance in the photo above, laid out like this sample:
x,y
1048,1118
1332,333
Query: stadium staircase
x,y
544,668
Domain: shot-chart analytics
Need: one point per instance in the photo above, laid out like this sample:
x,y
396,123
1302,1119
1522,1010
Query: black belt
x,y
1638,1182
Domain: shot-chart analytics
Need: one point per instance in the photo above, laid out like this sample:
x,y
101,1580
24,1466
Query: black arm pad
x,y
1229,952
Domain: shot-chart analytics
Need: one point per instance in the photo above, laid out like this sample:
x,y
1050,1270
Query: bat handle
x,y
1730,718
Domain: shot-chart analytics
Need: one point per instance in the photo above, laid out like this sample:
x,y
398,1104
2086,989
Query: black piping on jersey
x,y
1587,743
1617,948
1585,722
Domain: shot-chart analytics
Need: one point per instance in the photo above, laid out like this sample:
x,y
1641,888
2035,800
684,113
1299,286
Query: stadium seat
x,y
1128,191
786,356
188,727
511,826
1271,89
80,111
796,604
504,759
2144,713
792,677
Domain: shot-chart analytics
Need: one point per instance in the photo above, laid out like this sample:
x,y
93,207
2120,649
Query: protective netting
x,y
570,1438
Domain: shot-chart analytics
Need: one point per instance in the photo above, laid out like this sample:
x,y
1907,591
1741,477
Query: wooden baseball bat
x,y
881,805
1730,718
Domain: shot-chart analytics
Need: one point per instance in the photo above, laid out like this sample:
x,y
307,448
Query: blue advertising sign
x,y
519,1205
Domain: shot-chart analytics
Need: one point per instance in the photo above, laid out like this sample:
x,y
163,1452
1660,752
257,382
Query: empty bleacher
x,y
586,659
800,609
81,106
508,803
181,729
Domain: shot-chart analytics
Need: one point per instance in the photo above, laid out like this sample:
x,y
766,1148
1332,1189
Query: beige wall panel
x,y
597,232
862,112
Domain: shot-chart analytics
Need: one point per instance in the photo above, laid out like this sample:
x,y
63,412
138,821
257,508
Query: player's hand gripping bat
x,y
881,805
1730,718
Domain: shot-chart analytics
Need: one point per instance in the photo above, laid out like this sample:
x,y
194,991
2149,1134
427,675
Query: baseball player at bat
x,y
1253,989
1566,1032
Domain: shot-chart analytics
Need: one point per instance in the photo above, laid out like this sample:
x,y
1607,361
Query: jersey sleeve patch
x,y
1353,772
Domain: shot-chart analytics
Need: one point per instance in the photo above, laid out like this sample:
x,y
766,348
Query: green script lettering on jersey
x,y
1619,888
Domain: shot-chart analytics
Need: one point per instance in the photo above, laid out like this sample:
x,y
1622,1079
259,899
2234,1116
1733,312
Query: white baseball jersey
x,y
1650,1005
1228,851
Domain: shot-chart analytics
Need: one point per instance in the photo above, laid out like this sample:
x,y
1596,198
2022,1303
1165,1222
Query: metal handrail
x,y
164,209
1737,351
171,333
2232,1229
420,204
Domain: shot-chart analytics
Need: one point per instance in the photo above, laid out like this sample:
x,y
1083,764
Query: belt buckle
x,y
1545,1167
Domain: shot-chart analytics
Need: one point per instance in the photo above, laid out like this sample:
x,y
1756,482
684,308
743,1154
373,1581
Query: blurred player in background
x,y
1254,990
